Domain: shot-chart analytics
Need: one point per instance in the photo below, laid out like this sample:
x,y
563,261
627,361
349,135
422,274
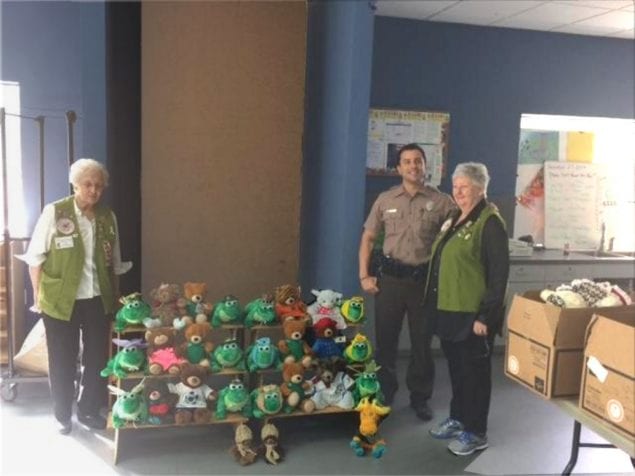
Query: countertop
x,y
556,256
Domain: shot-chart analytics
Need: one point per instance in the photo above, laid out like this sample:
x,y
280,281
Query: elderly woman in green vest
x,y
464,295
74,258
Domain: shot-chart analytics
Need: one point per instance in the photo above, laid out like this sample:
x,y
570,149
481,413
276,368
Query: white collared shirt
x,y
40,245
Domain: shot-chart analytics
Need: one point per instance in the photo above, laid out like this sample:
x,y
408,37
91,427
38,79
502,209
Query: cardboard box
x,y
545,344
608,376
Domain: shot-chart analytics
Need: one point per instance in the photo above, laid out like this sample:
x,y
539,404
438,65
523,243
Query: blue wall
x,y
339,39
487,77
55,50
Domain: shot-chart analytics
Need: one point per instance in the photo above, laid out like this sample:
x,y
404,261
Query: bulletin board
x,y
391,129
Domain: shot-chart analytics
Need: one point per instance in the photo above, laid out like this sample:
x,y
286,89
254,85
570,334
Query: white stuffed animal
x,y
327,304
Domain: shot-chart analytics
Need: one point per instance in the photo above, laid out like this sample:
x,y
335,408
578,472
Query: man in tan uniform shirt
x,y
410,216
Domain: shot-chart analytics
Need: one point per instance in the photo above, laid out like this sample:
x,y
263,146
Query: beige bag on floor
x,y
33,355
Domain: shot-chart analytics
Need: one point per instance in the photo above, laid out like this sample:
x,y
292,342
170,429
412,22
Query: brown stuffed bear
x,y
164,302
293,347
194,396
295,389
193,307
162,356
160,401
198,345
289,303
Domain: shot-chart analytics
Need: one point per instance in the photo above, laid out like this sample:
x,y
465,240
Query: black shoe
x,y
65,427
422,410
96,422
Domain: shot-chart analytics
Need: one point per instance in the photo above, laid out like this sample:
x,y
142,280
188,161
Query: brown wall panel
x,y
222,123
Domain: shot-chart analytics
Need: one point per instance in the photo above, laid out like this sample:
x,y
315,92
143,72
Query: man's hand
x,y
369,284
479,328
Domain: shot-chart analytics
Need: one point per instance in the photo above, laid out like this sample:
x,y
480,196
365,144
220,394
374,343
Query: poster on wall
x,y
391,129
575,182
571,205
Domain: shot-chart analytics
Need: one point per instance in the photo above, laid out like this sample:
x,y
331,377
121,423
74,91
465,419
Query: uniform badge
x,y
446,225
108,252
430,206
65,226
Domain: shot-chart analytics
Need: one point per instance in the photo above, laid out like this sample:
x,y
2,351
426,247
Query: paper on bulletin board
x,y
537,147
571,205
580,147
390,129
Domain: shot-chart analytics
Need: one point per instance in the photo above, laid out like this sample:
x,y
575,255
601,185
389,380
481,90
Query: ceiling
x,y
610,18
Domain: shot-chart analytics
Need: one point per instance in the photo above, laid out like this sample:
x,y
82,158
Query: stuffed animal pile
x,y
586,293
183,347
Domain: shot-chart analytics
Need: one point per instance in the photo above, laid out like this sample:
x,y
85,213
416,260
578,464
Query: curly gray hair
x,y
81,167
475,171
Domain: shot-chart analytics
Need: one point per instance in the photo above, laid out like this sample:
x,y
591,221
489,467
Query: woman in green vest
x,y
465,289
74,258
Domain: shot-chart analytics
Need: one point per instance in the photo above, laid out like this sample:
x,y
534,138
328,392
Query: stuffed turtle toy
x,y
134,311
235,399
228,355
131,358
263,355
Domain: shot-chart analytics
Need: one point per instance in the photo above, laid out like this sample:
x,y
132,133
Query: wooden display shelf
x,y
140,375
324,411
231,418
137,329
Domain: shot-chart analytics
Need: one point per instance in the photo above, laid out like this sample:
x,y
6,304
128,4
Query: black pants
x,y
398,297
62,339
470,365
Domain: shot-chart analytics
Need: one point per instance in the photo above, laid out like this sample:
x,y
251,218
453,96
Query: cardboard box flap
x,y
607,339
572,327
529,316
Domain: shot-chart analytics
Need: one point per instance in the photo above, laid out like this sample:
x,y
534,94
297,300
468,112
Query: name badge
x,y
62,242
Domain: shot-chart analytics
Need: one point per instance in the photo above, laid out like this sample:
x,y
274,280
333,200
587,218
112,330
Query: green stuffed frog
x,y
228,355
359,350
266,400
367,384
133,312
233,398
131,358
261,312
227,311
263,355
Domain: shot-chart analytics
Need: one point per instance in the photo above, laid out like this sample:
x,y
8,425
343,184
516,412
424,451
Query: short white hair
x,y
475,171
82,167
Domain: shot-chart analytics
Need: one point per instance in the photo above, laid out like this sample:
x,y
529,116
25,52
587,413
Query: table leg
x,y
575,447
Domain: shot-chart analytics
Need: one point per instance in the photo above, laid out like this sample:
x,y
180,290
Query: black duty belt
x,y
395,268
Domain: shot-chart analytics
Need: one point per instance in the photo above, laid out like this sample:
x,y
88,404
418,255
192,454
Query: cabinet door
x,y
557,274
526,273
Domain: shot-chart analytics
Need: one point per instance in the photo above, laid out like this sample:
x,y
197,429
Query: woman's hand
x,y
479,328
369,284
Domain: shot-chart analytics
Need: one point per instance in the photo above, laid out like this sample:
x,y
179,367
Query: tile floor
x,y
527,436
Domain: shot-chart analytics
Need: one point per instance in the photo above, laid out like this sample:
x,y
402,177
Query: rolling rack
x,y
10,378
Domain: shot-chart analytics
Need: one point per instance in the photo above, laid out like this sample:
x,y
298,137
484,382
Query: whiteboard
x,y
571,205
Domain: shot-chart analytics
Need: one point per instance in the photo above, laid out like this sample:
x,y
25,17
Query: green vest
x,y
62,270
461,263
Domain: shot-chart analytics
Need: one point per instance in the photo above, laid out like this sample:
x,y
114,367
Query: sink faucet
x,y
602,233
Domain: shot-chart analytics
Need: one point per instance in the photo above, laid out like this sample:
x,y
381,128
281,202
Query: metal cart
x,y
9,378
